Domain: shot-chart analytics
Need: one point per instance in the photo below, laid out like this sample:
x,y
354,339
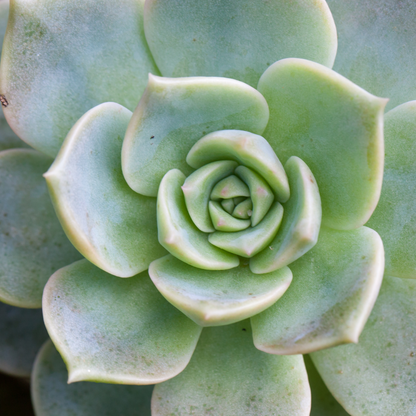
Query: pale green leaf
x,y
115,330
227,376
173,114
223,221
250,150
323,402
237,38
336,128
32,243
22,334
378,375
249,242
217,297
179,235
334,289
111,225
52,396
395,216
61,58
377,46
301,222
197,190
230,187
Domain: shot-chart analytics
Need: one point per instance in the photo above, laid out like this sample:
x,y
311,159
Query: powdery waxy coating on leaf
x,y
115,330
80,53
50,391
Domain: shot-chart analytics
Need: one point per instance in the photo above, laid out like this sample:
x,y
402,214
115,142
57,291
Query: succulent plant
x,y
223,204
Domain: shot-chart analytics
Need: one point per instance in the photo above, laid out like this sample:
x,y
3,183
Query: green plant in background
x,y
242,181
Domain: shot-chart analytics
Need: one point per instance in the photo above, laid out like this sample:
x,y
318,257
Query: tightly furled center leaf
x,y
230,207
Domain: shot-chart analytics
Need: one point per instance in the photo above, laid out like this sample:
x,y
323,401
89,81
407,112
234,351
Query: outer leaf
x,y
52,395
334,289
376,46
300,226
336,128
378,375
217,297
227,376
115,330
250,150
323,403
173,114
395,215
32,243
22,334
179,235
111,225
8,140
237,38
62,58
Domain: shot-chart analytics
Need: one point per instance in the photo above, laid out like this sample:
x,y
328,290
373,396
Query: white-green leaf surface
x,y
115,330
217,297
378,375
377,46
61,58
300,226
323,402
249,242
8,139
179,235
227,376
237,38
333,291
197,191
22,334
395,216
173,114
336,128
250,150
111,225
32,243
52,396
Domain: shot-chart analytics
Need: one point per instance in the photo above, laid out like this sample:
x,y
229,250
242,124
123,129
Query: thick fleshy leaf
x,y
378,375
336,128
237,38
249,242
250,150
52,396
115,330
260,193
173,114
22,334
227,376
8,139
61,58
334,289
112,226
228,205
179,235
230,187
32,243
197,190
301,222
244,209
376,46
323,402
217,297
395,215
223,221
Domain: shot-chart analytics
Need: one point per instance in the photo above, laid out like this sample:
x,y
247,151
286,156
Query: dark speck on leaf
x,y
244,329
3,100
152,137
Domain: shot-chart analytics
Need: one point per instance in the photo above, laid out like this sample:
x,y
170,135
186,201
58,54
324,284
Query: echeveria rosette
x,y
298,122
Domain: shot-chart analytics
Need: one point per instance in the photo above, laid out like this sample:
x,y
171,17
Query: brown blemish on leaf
x,y
3,100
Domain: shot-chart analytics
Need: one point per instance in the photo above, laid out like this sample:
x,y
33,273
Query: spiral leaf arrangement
x,y
232,205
